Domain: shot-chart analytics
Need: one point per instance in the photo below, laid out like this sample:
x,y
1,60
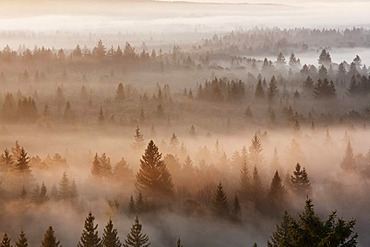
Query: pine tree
x,y
138,143
43,195
283,236
277,192
22,240
179,243
255,156
90,237
220,205
23,168
245,183
259,92
140,203
256,187
6,241
299,181
272,90
101,117
153,177
131,206
110,236
64,187
135,238
120,94
50,239
105,166
348,163
96,169
6,161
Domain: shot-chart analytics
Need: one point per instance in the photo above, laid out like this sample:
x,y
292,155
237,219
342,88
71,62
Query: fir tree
x,y
259,92
283,236
90,237
50,239
131,206
138,143
22,240
277,192
179,243
245,183
64,187
348,163
299,181
110,236
236,212
272,90
220,205
153,177
6,241
96,169
255,156
136,238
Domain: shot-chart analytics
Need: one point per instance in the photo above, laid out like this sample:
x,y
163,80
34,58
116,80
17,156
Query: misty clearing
x,y
175,123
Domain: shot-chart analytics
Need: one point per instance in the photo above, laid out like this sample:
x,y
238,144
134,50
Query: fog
x,y
233,95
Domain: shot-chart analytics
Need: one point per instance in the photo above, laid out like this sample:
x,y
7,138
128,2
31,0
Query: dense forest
x,y
245,137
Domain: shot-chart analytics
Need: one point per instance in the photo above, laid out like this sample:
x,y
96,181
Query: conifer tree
x,y
110,236
245,183
96,169
136,238
272,90
256,187
259,92
236,211
277,192
179,243
255,156
299,181
64,187
50,239
138,143
101,117
23,168
120,94
89,237
220,205
348,163
131,206
6,241
283,236
22,240
153,177
140,203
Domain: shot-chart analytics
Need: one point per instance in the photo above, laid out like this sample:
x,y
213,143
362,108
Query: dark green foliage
x,y
89,237
220,206
50,239
22,240
299,182
309,230
153,177
110,236
135,238
6,241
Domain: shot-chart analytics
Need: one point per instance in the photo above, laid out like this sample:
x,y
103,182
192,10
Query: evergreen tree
x,y
64,187
90,237
135,238
131,206
50,239
259,93
277,192
220,205
101,118
110,236
138,143
283,236
96,169
236,212
23,168
179,243
255,156
348,163
256,188
299,181
68,113
153,177
245,183
272,90
22,240
120,94
6,241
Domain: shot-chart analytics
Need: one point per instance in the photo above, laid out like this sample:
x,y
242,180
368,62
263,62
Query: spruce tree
x,y
50,239
299,181
131,206
23,168
64,187
138,143
348,163
136,238
153,177
255,156
96,169
277,192
220,205
110,236
89,237
179,243
6,241
259,92
245,182
22,240
236,211
283,236
272,90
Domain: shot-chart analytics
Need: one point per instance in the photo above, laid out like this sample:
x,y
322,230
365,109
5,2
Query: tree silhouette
x,y
135,238
50,239
110,236
6,241
220,205
89,237
22,240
